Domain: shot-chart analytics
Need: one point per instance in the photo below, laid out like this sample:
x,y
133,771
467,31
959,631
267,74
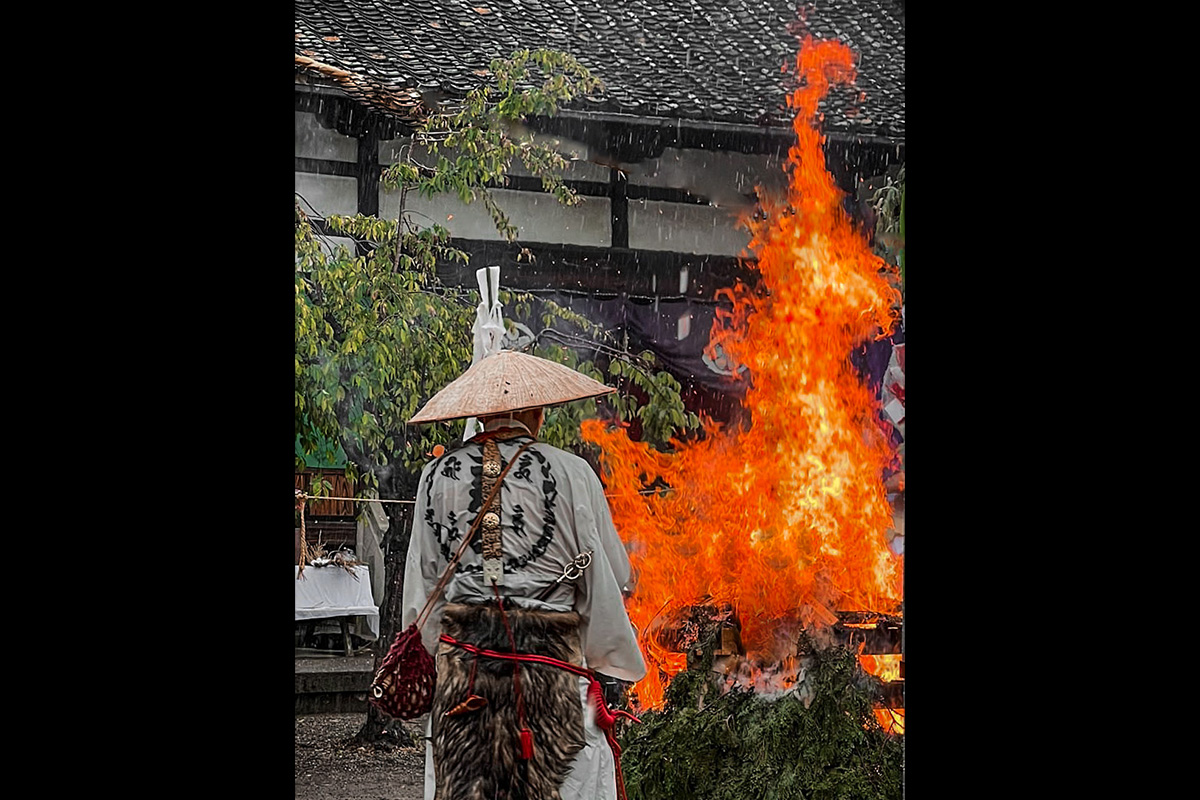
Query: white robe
x,y
552,510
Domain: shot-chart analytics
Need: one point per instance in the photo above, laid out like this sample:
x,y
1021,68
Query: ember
x,y
781,520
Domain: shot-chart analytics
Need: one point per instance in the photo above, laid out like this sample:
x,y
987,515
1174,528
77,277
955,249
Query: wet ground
x,y
330,767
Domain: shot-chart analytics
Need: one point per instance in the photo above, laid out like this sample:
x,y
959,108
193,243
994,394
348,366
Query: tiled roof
x,y
702,60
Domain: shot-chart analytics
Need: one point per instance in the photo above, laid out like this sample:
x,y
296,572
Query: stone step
x,y
333,684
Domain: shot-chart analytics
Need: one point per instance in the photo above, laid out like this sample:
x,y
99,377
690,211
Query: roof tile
x,y
696,59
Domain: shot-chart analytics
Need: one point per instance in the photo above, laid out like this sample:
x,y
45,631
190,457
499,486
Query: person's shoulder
x,y
427,471
556,453
444,453
566,459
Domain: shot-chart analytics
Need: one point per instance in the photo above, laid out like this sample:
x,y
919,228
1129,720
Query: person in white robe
x,y
547,523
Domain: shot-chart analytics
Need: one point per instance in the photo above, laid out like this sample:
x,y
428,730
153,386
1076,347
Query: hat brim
x,y
508,381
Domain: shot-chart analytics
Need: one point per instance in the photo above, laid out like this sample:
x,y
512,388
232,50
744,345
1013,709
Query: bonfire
x,y
774,528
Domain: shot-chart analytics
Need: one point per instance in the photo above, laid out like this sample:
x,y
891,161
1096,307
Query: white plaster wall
x,y
538,217
719,176
685,228
724,179
653,225
390,149
327,194
576,170
313,141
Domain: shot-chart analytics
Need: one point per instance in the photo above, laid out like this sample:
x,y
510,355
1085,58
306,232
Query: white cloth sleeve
x,y
422,569
608,638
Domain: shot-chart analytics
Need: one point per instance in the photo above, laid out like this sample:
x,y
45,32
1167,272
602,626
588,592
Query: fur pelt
x,y
477,755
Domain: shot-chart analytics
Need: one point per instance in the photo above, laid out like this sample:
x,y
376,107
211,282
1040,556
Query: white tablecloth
x,y
323,592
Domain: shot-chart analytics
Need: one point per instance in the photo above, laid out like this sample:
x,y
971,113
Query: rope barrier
x,y
320,498
303,497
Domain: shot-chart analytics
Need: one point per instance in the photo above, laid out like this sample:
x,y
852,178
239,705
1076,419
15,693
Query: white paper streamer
x,y
893,389
488,330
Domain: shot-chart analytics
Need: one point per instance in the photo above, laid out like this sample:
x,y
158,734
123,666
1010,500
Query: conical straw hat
x,y
508,381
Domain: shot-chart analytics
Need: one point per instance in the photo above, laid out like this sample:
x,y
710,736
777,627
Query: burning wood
x,y
871,633
708,636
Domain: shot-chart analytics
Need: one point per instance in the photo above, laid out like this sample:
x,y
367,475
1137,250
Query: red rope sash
x,y
606,718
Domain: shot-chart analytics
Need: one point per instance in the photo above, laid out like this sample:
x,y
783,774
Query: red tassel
x,y
526,744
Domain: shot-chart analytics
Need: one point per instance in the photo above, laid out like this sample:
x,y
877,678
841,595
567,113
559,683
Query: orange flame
x,y
884,667
783,518
892,719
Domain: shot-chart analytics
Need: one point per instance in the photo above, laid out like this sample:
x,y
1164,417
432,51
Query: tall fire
x,y
781,519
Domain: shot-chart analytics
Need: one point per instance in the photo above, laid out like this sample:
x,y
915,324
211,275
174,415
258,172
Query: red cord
x,y
606,718
526,734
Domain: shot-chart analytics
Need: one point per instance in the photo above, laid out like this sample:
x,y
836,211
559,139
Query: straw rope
x,y
322,497
301,498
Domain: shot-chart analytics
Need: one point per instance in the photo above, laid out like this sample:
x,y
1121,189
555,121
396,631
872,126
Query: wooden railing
x,y
340,488
330,523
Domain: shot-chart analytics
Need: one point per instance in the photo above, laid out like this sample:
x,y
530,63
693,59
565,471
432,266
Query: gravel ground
x,y
329,767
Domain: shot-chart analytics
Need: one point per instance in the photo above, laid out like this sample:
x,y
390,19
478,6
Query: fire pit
x,y
730,727
710,635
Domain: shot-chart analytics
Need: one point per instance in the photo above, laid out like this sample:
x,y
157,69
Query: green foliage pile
x,y
735,746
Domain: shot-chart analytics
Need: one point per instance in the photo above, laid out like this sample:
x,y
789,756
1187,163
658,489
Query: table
x,y
332,592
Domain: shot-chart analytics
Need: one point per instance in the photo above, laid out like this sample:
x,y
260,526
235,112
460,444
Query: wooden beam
x,y
368,173
537,266
620,209
877,634
598,271
323,166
